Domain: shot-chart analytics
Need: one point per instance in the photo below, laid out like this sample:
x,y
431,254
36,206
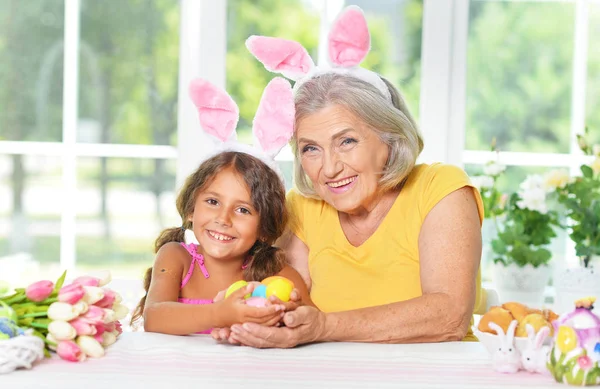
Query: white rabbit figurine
x,y
506,358
535,356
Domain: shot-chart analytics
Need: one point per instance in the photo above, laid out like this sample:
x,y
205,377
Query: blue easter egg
x,y
260,291
8,328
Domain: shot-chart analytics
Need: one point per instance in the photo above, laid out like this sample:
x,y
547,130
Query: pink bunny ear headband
x,y
349,43
272,126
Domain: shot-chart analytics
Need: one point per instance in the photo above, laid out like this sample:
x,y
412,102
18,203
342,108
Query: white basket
x,y
20,351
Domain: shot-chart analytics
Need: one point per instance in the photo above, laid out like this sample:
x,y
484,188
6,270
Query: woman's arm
x,y
450,251
162,312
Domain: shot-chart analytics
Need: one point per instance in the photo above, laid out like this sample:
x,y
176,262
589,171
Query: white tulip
x,y
93,294
81,307
61,330
118,298
108,338
109,316
103,276
62,311
51,338
90,346
121,311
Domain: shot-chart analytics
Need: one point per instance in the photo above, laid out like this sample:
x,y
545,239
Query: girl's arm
x,y
450,251
162,312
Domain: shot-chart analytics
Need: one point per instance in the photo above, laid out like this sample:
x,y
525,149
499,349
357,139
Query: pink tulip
x,y
70,351
86,281
99,338
71,294
100,329
39,291
82,327
108,300
94,315
110,327
118,327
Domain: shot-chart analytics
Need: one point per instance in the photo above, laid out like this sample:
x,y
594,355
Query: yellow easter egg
x,y
235,286
268,280
566,340
282,288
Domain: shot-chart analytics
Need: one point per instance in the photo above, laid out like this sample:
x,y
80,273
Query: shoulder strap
x,y
197,259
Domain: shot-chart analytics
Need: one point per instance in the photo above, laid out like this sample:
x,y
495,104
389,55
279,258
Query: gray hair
x,y
391,121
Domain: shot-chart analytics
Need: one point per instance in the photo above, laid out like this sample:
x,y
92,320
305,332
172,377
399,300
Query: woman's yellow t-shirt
x,y
385,268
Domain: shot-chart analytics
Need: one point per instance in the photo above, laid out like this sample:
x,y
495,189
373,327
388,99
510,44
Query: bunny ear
x,y
218,113
497,328
273,124
510,333
541,336
283,56
530,333
349,38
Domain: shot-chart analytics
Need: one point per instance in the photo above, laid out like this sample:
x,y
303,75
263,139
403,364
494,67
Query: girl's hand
x,y
234,310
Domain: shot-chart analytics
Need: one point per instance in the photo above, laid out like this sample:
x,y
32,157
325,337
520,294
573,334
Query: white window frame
x,y
443,103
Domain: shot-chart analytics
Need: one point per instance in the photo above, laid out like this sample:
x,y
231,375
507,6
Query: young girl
x,y
235,205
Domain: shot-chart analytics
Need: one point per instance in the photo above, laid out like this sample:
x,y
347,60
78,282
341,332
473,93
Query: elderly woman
x,y
389,249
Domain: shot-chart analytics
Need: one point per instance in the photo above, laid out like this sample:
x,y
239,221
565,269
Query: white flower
x,y
493,169
596,165
103,276
108,338
109,316
62,311
61,330
533,194
596,150
81,307
93,294
90,346
557,179
121,311
118,298
482,182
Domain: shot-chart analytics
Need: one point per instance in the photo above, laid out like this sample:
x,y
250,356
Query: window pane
x,y
396,28
31,74
509,183
246,77
29,217
129,53
122,205
519,75
593,80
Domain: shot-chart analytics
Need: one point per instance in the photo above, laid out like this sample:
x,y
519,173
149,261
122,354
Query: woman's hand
x,y
233,309
303,325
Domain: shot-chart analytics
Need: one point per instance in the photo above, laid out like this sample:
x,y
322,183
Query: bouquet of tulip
x,y
76,321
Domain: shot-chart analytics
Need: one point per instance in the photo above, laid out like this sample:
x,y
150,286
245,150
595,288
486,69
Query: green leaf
x,y
587,171
60,282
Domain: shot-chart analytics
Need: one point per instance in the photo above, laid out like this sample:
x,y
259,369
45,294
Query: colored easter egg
x,y
260,291
281,288
235,286
566,340
258,302
268,280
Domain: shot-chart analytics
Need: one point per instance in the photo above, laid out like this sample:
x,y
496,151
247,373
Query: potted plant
x,y
580,200
521,255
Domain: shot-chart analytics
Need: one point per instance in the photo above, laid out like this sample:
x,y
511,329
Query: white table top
x,y
146,360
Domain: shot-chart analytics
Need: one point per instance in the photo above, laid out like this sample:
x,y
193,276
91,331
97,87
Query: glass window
x,y
246,77
128,68
519,75
30,188
593,79
396,27
122,206
31,74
